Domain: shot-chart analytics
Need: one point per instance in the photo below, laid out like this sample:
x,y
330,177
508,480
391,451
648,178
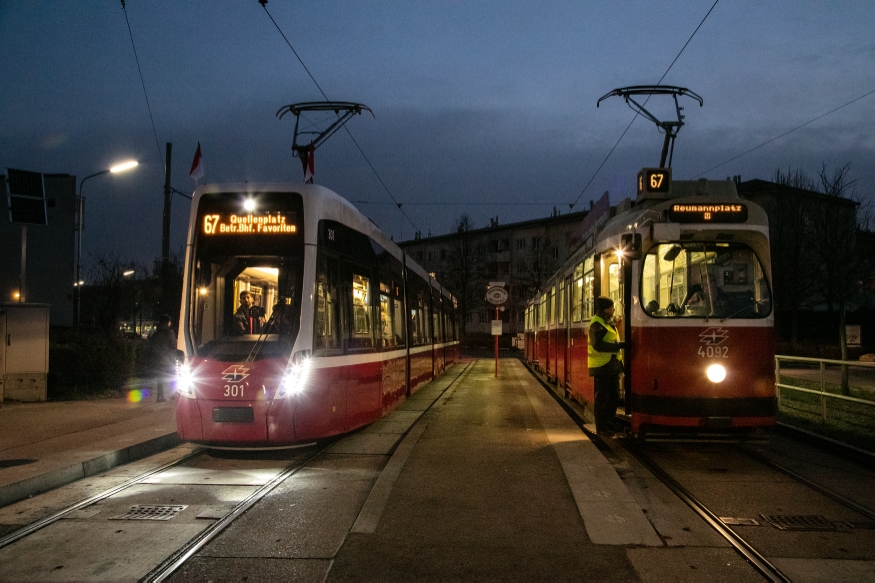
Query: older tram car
x,y
344,326
688,267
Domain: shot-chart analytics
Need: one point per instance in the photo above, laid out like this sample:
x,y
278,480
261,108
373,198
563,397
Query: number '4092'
x,y
714,351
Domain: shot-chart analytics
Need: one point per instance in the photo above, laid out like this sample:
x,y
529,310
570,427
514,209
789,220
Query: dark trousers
x,y
607,397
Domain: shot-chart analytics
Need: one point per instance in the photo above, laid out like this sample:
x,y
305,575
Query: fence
x,y
810,395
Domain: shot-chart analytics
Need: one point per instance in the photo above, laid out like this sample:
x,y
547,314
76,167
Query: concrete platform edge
x,y
11,493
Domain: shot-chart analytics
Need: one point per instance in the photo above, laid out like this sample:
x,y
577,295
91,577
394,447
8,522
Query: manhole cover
x,y
151,512
799,522
732,521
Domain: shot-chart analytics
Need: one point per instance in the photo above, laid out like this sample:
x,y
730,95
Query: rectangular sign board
x,y
496,327
27,197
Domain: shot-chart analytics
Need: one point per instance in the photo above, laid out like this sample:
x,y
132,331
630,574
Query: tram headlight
x,y
716,373
184,380
297,373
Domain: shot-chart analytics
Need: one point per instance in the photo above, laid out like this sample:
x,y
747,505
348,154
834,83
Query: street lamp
x,y
78,285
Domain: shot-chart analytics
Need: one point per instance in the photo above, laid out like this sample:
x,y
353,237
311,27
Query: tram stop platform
x,y
496,482
50,444
485,478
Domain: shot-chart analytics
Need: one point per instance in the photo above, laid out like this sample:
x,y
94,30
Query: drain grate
x,y
733,521
816,522
151,512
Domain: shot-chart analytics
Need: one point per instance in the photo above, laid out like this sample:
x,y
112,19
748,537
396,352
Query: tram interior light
x,y
294,380
716,373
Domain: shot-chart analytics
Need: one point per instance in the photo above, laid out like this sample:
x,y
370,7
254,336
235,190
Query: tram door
x,y
566,333
615,274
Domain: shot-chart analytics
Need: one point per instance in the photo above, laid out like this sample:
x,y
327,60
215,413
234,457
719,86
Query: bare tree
x,y
461,270
540,264
834,245
791,247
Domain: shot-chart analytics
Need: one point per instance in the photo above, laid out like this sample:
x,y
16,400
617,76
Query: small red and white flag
x,y
311,167
197,166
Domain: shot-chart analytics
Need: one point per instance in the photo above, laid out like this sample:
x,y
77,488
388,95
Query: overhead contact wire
x,y
374,170
571,206
767,142
142,81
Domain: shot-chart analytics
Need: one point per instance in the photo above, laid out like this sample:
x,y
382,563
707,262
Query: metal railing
x,y
819,377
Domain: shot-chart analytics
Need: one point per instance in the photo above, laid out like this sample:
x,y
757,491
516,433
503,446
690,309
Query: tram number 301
x,y
714,351
234,390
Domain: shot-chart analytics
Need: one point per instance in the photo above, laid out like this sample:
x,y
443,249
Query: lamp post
x,y
78,285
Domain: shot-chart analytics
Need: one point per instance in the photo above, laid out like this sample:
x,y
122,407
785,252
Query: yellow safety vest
x,y
596,358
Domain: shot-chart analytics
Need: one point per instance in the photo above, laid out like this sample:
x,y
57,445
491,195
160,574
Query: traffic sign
x,y
496,295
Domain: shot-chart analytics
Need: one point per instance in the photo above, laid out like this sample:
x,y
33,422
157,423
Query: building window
x,y
443,254
555,252
521,267
520,244
535,242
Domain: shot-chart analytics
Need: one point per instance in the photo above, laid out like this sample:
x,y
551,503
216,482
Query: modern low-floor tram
x,y
344,325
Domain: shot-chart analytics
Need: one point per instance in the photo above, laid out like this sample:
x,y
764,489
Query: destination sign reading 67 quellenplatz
x,y
232,224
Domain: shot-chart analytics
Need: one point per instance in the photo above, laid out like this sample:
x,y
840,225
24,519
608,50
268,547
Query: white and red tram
x,y
688,267
349,326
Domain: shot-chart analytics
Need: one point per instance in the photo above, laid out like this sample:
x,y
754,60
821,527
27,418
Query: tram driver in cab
x,y
249,318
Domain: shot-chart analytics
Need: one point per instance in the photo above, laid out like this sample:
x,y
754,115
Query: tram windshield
x,y
704,280
246,274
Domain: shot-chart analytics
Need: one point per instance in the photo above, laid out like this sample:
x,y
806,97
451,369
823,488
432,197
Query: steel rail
x,y
759,562
182,555
39,524
187,551
856,507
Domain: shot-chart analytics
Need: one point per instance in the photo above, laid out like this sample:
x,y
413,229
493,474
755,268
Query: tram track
x,y
168,562
191,548
744,548
55,517
752,546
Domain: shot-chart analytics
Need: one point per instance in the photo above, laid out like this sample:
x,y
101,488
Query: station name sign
x,y
707,213
234,224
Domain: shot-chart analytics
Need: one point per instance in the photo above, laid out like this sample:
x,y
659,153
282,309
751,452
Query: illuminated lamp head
x,y
297,374
249,205
185,380
716,373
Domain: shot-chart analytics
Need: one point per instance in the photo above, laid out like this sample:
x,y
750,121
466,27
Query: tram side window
x,y
436,320
361,332
577,294
542,312
562,302
326,331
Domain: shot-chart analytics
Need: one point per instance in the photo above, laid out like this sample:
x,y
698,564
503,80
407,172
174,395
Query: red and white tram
x,y
345,325
688,267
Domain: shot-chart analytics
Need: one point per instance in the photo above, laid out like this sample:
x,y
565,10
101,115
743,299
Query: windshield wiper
x,y
755,304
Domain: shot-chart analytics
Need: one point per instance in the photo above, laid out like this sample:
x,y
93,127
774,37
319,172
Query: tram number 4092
x,y
714,351
234,390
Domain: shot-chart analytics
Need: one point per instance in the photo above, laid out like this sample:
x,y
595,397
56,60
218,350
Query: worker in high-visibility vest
x,y
605,365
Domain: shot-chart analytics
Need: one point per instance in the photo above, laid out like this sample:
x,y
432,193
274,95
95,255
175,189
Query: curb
x,y
17,491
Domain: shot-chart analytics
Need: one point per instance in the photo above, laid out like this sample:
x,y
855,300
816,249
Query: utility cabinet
x,y
24,351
